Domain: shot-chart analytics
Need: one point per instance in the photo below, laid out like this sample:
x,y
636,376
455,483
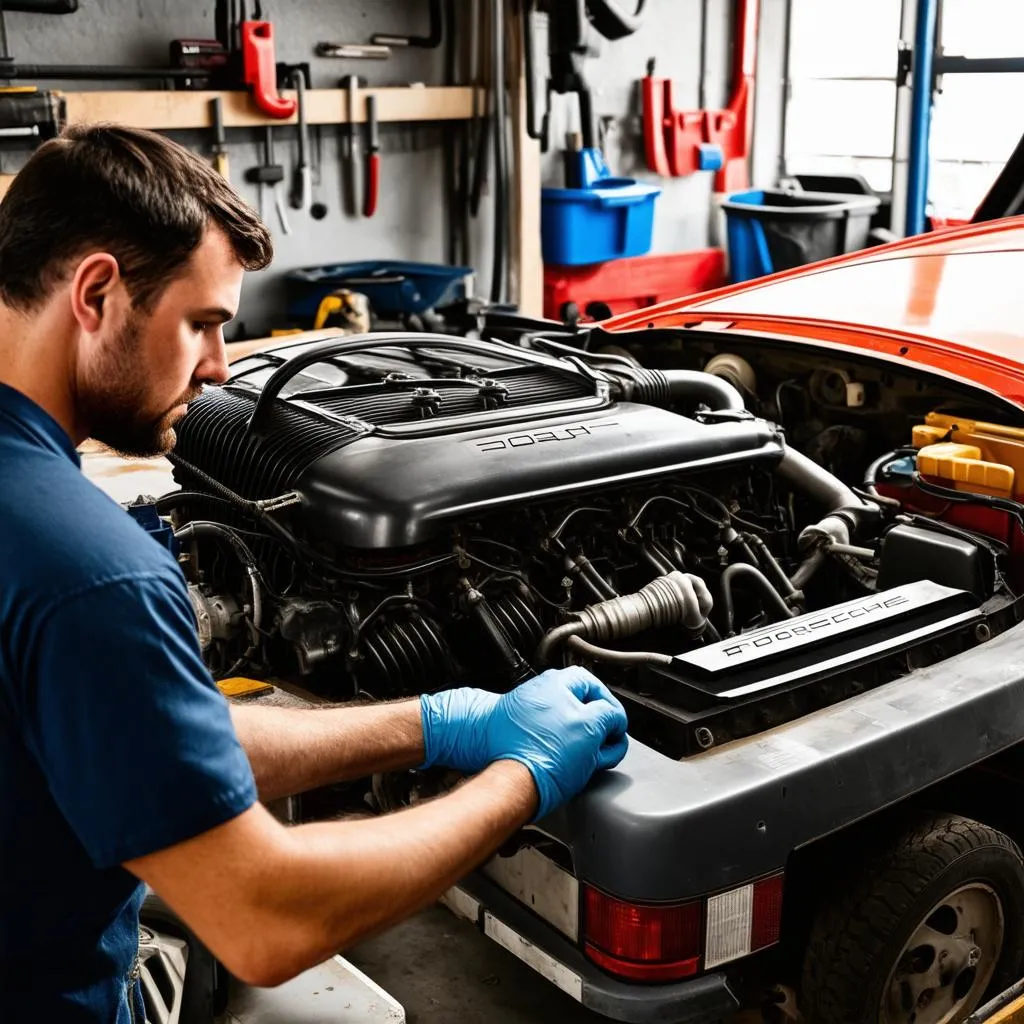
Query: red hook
x,y
260,70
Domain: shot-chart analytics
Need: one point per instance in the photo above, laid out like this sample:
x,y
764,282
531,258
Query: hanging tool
x,y
220,153
353,51
270,174
259,71
318,209
372,184
302,181
428,42
679,141
350,144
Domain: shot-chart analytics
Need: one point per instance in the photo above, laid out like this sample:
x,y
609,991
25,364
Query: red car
x,y
784,520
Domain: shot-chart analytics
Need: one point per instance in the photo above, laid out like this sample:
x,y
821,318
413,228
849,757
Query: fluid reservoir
x,y
962,467
996,445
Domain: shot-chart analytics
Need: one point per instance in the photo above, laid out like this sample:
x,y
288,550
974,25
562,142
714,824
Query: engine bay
x,y
730,537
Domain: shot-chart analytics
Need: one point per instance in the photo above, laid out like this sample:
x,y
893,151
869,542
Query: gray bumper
x,y
703,1000
659,829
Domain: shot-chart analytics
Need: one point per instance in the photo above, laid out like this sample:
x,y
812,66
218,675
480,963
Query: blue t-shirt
x,y
114,740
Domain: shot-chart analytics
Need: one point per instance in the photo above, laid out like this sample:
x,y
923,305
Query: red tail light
x,y
766,919
645,943
670,941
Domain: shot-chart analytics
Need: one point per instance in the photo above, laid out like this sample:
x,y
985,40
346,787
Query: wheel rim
x,y
948,961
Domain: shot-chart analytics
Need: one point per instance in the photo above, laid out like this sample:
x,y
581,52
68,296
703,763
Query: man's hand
x,y
563,725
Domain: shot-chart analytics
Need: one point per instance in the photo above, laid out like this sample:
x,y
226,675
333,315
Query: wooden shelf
x,y
169,110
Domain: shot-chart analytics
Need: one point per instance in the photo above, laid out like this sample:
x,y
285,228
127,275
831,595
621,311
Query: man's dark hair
x,y
135,194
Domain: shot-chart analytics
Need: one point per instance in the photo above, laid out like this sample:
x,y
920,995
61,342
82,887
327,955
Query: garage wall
x,y
410,219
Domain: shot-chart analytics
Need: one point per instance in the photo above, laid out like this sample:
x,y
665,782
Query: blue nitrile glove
x,y
563,725
454,728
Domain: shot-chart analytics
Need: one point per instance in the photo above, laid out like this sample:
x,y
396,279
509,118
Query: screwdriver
x,y
220,153
372,184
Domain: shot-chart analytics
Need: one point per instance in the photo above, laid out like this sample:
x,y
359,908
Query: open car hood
x,y
950,301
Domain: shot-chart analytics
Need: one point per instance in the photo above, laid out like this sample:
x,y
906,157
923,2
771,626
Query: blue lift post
x,y
927,67
921,81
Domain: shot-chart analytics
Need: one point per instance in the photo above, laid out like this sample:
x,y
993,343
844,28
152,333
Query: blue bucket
x,y
613,219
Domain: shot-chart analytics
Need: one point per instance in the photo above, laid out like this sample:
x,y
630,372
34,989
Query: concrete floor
x,y
442,970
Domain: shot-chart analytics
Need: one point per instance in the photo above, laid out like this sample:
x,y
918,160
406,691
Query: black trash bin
x,y
775,229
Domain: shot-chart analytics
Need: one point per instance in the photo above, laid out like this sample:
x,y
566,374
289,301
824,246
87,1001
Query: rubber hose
x,y
656,387
618,657
764,585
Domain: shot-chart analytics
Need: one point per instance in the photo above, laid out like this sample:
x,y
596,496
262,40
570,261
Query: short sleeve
x,y
131,732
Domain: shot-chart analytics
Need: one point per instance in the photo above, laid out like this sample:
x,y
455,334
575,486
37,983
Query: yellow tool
x,y
346,309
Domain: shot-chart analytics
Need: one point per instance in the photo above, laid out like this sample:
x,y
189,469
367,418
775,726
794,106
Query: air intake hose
x,y
659,387
846,511
675,599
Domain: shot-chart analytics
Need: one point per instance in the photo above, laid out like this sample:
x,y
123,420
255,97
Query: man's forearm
x,y
271,902
292,750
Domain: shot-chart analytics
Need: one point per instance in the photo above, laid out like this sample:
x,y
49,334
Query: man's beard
x,y
114,401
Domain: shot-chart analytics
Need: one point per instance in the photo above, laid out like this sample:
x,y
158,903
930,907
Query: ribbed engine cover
x,y
373,475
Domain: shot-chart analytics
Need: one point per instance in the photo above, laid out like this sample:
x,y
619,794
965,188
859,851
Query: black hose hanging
x,y
499,127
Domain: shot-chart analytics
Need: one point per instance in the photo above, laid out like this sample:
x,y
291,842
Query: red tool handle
x,y
260,71
372,184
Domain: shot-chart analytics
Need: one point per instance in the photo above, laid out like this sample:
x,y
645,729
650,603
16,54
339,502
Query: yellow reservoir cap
x,y
963,467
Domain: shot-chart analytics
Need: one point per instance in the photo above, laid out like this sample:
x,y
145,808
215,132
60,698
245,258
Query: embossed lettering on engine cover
x,y
528,437
783,632
815,627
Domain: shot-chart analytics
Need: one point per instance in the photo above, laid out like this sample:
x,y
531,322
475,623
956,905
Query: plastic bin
x,y
630,284
612,220
392,286
774,229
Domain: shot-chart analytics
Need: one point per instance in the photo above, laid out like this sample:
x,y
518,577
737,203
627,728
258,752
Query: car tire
x,y
200,999
897,945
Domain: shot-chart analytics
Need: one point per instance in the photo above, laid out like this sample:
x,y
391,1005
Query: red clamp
x,y
259,70
679,142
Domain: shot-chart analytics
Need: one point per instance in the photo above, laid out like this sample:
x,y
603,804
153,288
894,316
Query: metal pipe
x,y
816,481
553,638
654,560
764,585
771,567
807,569
581,646
920,114
837,548
583,567
515,666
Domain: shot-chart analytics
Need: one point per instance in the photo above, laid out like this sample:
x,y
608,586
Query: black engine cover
x,y
387,446
389,492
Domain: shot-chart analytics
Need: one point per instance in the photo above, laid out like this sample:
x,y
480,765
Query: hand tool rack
x,y
168,110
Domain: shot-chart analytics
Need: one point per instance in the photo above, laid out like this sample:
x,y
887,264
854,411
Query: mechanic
x,y
121,258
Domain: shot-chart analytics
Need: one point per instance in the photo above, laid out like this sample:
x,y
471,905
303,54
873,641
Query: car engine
x,y
387,515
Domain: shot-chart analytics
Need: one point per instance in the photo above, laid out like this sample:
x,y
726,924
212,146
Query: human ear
x,y
95,278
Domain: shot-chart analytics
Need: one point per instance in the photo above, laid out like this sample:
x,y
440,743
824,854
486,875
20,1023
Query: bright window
x,y
842,94
978,118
